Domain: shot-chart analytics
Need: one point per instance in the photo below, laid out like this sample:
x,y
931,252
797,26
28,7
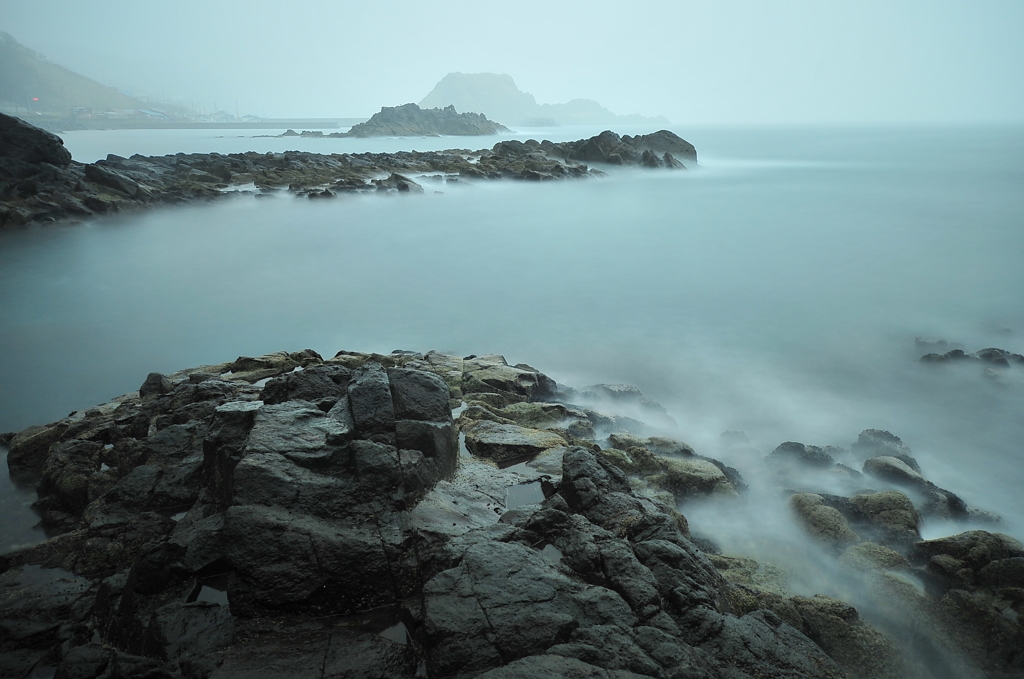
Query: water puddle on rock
x,y
398,633
463,450
385,622
523,494
551,553
213,589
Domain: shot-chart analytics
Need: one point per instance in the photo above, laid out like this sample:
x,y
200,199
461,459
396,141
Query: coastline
x,y
43,185
393,478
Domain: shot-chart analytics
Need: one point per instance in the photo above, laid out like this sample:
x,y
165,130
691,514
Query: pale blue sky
x,y
727,62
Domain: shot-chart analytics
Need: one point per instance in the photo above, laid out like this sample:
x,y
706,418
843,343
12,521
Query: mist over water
x,y
778,291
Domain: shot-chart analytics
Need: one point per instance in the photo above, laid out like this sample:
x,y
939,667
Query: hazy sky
x,y
695,62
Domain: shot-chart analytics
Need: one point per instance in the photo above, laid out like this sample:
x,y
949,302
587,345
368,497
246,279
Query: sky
x,y
720,62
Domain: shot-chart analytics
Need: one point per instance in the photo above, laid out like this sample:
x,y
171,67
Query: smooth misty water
x,y
778,290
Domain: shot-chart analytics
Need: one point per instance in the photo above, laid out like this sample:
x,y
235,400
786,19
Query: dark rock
x,y
311,384
373,409
505,602
397,183
879,443
155,385
411,120
111,179
21,141
29,448
791,452
419,395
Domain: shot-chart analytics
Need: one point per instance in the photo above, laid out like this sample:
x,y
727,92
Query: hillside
x,y
498,97
29,82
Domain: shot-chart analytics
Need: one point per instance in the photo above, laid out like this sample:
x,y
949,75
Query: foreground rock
x,y
39,183
326,524
209,527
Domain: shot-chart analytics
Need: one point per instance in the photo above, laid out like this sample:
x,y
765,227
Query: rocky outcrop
x,y
287,514
409,120
39,183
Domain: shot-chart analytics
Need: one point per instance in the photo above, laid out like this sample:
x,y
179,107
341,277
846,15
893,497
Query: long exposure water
x,y
777,290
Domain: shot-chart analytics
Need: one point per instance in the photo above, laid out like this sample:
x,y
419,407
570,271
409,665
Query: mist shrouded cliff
x,y
496,96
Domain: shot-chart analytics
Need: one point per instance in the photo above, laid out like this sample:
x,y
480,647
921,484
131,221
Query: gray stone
x,y
419,395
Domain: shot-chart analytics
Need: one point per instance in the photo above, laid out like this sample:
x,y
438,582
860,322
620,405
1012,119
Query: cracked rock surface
x,y
291,516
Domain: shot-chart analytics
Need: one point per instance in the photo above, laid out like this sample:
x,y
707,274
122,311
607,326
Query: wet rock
x,y
1003,573
28,449
824,523
687,479
419,395
29,144
505,602
396,183
40,608
867,556
937,502
492,374
893,516
555,667
860,650
792,453
880,443
373,409
315,384
976,548
508,441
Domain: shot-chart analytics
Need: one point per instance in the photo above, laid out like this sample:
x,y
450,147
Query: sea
x,y
786,287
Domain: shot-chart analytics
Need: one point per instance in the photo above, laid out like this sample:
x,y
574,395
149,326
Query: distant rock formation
x,y
41,183
497,96
409,120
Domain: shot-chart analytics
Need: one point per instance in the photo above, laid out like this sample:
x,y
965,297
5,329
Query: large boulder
x,y
29,144
501,442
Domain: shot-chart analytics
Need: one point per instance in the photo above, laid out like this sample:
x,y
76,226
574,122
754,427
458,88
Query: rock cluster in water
x,y
40,183
416,515
411,120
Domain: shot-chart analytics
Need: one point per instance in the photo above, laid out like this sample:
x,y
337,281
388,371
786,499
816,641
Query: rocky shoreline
x,y
40,183
412,515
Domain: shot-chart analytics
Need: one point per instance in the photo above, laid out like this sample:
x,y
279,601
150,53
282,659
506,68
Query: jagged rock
x,y
318,383
342,492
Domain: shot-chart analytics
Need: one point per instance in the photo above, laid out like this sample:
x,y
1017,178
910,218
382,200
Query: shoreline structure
x,y
40,183
412,515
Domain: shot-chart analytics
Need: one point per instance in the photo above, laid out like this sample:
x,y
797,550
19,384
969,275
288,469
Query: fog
x,y
792,62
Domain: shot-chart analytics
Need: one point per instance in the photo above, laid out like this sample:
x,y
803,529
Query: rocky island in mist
x,y
498,96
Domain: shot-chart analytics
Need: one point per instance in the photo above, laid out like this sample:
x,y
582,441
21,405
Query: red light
x,y
35,98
